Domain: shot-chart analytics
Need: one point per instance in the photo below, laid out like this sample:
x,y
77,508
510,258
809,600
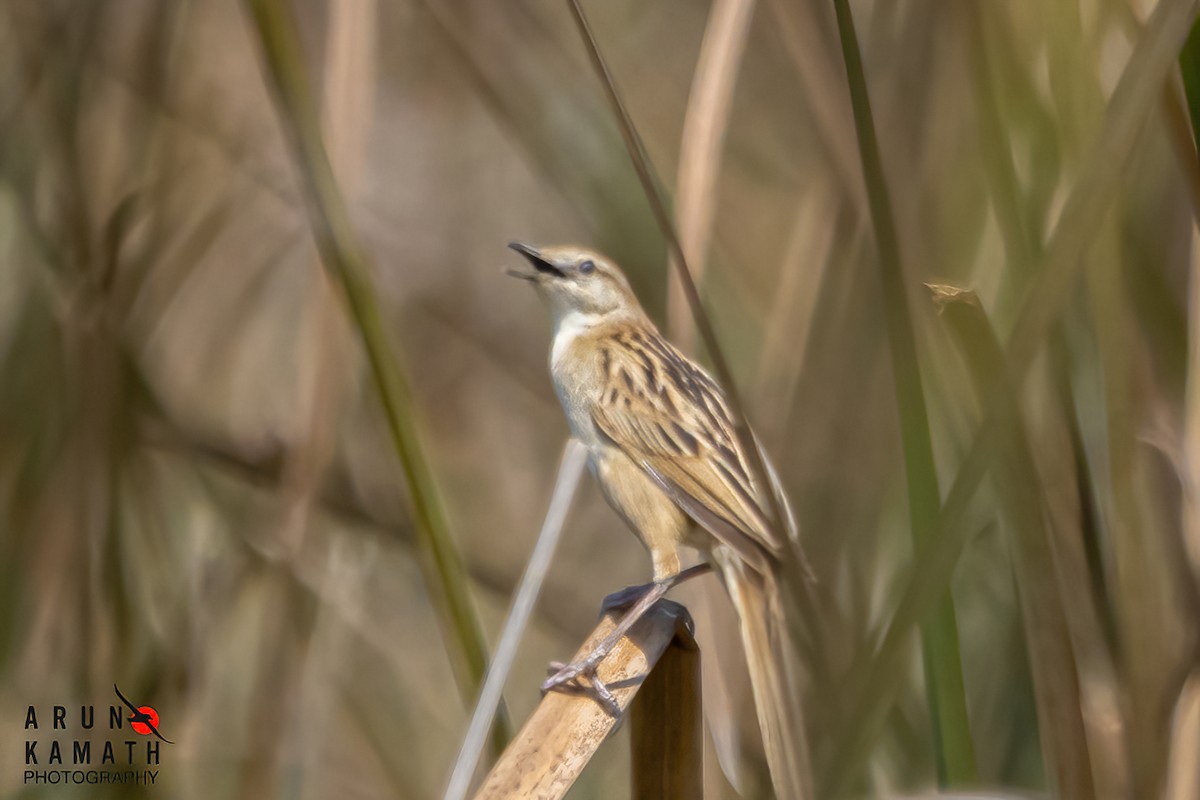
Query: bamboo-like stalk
x,y
667,737
954,749
343,255
550,751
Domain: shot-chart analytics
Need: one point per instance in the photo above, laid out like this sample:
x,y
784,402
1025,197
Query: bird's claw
x,y
566,678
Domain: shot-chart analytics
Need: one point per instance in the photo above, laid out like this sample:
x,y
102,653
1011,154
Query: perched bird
x,y
662,443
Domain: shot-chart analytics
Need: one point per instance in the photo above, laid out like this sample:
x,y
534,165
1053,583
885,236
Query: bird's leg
x,y
586,667
646,596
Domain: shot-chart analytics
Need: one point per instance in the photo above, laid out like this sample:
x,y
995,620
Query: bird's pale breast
x,y
582,379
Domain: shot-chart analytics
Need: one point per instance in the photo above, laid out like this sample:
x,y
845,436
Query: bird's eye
x,y
587,266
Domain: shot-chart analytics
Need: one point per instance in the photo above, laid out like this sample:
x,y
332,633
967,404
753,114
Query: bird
x,y
662,443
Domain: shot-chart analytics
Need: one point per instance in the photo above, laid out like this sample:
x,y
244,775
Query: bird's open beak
x,y
535,258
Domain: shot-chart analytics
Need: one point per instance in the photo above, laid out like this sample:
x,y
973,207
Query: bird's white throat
x,y
569,326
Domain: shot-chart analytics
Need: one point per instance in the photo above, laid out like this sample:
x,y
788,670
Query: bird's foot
x,y
624,599
567,678
628,597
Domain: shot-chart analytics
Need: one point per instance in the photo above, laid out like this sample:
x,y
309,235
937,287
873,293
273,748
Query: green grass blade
x,y
1182,112
441,563
1056,274
1189,66
954,749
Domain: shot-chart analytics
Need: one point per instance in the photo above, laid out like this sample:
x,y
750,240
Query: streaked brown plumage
x,y
667,421
661,441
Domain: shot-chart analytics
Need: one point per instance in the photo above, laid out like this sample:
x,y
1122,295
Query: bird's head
x,y
575,281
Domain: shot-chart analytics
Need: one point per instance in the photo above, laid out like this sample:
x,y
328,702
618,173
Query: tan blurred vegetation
x,y
199,498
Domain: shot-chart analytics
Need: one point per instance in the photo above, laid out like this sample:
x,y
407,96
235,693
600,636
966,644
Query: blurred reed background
x,y
200,491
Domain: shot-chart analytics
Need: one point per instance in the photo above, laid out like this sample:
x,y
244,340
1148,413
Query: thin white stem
x,y
569,472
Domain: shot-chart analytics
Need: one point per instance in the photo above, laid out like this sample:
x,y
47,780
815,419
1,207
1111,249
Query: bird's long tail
x,y
769,654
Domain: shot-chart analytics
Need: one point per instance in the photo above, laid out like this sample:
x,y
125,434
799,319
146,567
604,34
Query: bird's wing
x,y
671,418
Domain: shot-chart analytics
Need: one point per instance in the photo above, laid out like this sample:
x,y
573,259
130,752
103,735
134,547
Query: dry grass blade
x,y
1056,685
537,97
1099,693
954,749
1183,766
820,73
1128,110
1179,127
569,472
704,128
452,28
550,751
445,577
349,86
1181,105
345,120
1191,431
1141,584
807,259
